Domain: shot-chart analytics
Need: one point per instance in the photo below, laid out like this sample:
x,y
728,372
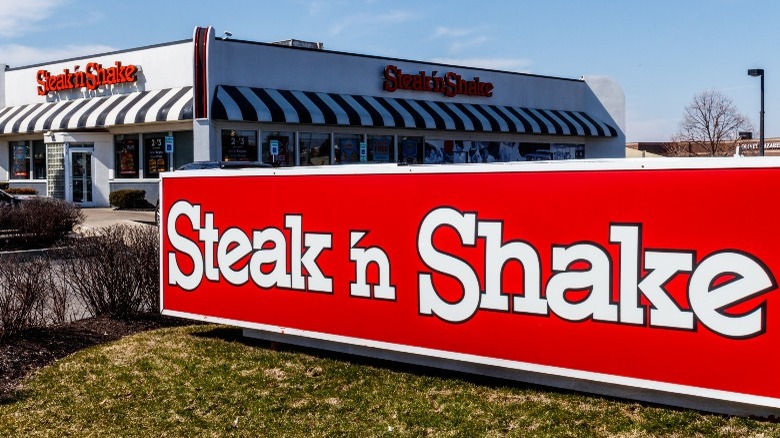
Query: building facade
x,y
81,128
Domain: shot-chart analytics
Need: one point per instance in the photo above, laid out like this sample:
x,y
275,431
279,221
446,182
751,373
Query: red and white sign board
x,y
654,280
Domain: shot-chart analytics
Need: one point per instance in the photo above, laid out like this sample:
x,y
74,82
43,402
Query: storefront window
x,y
314,148
155,157
381,149
20,159
39,159
410,150
126,156
347,149
239,145
284,147
182,148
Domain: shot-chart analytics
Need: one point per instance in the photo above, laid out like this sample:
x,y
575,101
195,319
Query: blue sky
x,y
661,52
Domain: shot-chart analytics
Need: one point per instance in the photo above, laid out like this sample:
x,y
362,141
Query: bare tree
x,y
709,127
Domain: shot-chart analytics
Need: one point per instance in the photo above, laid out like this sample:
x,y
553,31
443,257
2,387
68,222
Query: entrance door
x,y
80,176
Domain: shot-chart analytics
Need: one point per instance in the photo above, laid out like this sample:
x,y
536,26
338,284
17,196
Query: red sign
x,y
619,275
450,84
91,78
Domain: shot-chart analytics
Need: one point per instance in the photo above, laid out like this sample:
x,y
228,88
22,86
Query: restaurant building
x,y
80,128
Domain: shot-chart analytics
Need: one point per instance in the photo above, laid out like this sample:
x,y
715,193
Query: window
x,y
285,148
27,159
20,159
39,159
347,149
381,149
126,156
239,145
155,157
182,148
410,150
314,148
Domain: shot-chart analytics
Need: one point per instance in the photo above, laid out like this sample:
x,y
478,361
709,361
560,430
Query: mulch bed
x,y
38,347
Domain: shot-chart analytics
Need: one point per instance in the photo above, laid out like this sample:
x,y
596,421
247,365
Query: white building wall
x,y
163,66
272,66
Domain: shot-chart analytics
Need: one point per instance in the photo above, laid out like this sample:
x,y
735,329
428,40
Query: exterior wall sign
x,y
449,84
92,77
655,292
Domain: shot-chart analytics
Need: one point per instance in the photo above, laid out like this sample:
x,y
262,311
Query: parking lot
x,y
103,217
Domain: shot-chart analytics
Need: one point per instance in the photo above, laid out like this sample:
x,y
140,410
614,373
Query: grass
x,y
209,381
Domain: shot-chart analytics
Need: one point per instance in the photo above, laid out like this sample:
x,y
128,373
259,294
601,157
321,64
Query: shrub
x,y
128,198
25,285
40,222
21,191
4,185
115,271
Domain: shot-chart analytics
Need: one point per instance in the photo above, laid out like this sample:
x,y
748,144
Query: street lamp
x,y
760,72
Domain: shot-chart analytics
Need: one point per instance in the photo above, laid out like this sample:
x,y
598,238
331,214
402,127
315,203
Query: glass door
x,y
80,176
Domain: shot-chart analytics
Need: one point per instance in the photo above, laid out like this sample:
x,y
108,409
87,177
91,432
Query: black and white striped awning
x,y
284,106
120,109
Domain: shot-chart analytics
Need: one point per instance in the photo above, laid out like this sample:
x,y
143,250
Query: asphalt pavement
x,y
104,217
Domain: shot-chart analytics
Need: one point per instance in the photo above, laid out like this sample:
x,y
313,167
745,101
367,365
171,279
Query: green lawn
x,y
209,381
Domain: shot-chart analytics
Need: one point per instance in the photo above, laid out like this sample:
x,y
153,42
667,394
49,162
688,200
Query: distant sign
x,y
274,147
168,144
363,152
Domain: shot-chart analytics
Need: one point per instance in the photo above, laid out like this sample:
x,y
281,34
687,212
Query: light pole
x,y
760,72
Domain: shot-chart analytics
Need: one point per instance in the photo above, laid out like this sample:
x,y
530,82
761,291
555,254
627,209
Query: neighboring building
x,y
81,128
747,147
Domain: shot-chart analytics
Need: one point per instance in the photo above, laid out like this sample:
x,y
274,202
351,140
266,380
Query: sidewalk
x,y
104,217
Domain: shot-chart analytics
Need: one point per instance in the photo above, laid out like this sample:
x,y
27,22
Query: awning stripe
x,y
303,115
399,119
171,104
508,119
112,110
12,117
286,106
76,115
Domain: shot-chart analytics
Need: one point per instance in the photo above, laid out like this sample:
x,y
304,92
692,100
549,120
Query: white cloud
x,y
508,64
372,20
459,46
16,55
19,17
446,32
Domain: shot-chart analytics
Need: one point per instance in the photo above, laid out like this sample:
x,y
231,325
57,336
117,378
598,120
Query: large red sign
x,y
611,273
